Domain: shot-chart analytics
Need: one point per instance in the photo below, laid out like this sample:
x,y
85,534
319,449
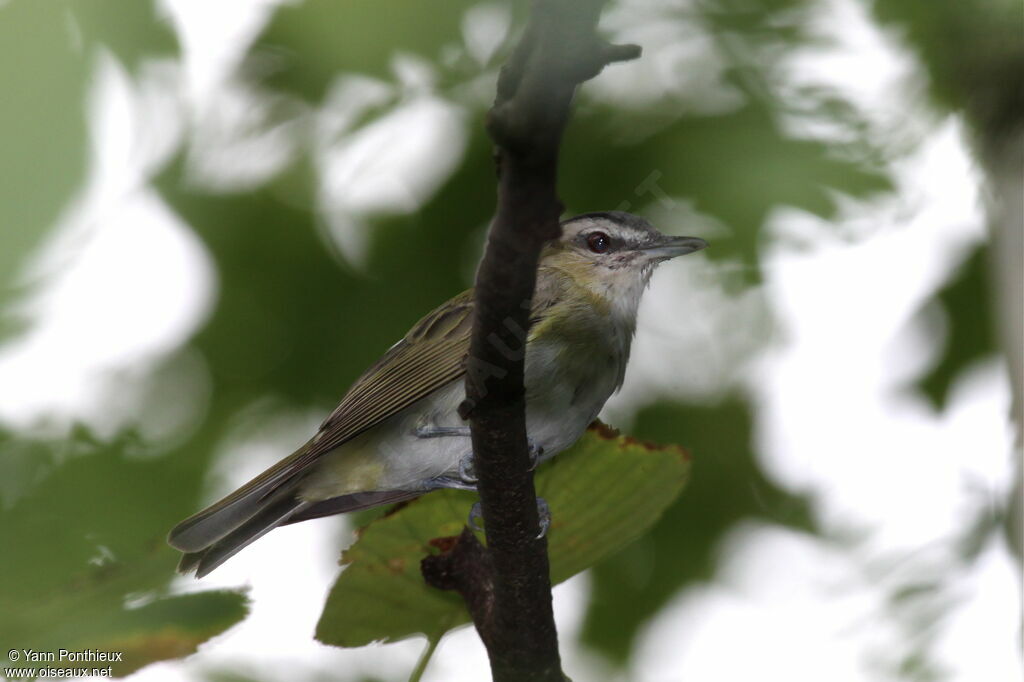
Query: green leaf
x,y
44,82
316,41
87,566
967,302
604,493
683,548
164,629
982,75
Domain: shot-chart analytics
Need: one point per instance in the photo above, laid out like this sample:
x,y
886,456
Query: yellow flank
x,y
577,317
349,469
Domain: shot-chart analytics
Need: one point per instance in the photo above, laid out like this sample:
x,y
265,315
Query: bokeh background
x,y
214,216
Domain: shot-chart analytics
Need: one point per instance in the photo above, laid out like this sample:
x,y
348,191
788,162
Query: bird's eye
x,y
598,242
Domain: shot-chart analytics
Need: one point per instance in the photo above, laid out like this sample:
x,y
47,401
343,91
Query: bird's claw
x,y
467,472
543,514
543,517
475,512
535,452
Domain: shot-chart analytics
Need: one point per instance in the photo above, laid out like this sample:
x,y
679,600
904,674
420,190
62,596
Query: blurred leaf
x,y
48,50
974,53
48,53
131,29
86,563
727,486
164,629
322,38
304,315
604,493
736,167
967,301
44,127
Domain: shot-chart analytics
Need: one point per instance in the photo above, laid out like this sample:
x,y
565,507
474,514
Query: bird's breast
x,y
568,379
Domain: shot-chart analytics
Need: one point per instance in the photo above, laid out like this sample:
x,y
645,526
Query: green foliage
x,y
604,493
87,565
974,53
966,301
736,167
360,36
43,118
727,488
44,141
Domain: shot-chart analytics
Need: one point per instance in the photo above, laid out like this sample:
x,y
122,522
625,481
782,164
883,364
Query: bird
x,y
397,433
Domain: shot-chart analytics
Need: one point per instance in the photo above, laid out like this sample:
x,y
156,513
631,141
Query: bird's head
x,y
613,253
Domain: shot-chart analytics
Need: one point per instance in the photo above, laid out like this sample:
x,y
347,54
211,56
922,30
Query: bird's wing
x,y
430,356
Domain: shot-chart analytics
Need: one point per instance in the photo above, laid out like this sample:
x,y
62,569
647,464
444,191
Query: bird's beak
x,y
670,247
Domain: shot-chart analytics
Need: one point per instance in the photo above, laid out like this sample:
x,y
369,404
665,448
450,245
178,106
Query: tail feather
x,y
264,521
351,503
211,524
213,536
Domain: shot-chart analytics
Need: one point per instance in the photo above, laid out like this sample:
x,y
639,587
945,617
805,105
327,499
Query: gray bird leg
x,y
535,451
467,473
543,511
429,431
448,482
464,480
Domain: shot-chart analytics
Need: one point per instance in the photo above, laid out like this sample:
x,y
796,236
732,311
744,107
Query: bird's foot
x,y
543,517
475,512
467,472
439,482
543,513
535,451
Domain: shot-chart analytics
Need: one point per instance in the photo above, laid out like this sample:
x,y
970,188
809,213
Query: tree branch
x,y
507,586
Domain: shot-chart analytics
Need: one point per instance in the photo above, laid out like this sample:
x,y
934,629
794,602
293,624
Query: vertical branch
x,y
507,588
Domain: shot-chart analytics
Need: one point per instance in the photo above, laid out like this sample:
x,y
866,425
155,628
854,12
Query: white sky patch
x,y
833,392
866,64
240,135
214,39
484,29
785,607
686,348
243,138
680,63
393,164
982,638
122,281
838,417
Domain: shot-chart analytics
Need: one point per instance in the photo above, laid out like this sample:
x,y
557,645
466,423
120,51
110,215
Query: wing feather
x,y
430,356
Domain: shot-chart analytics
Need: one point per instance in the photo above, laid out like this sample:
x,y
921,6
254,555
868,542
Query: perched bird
x,y
397,433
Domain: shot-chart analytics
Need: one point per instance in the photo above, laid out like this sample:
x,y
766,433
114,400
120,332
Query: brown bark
x,y
507,587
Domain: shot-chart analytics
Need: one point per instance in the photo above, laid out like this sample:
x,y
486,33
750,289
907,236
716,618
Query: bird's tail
x,y
217,533
276,511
